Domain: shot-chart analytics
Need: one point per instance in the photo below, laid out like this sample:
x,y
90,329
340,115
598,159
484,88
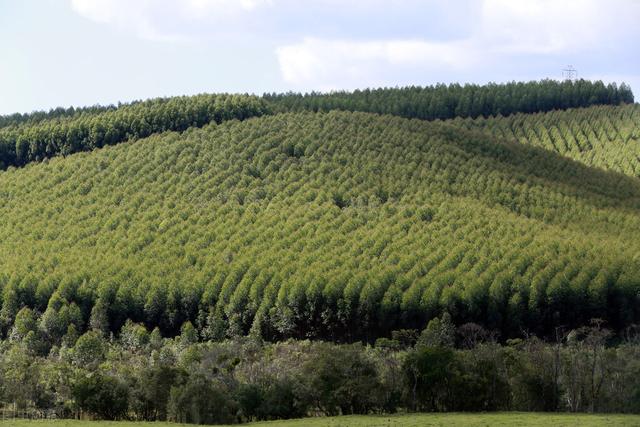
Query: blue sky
x,y
83,52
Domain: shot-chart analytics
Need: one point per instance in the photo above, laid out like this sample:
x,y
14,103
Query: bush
x,y
200,401
342,381
277,400
101,395
430,373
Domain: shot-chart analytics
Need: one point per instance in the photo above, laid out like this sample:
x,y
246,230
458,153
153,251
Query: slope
x,y
454,100
607,137
62,132
339,225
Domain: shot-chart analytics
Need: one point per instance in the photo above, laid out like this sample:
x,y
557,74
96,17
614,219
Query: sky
x,y
85,52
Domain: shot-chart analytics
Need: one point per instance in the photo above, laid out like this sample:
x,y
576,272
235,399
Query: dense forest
x,y
340,226
229,258
71,131
455,100
606,137
41,135
39,116
142,376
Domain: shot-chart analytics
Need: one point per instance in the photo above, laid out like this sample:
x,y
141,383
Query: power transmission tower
x,y
569,73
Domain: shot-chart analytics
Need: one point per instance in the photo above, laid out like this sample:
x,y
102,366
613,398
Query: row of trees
x,y
35,140
39,135
340,226
39,116
470,100
141,376
606,137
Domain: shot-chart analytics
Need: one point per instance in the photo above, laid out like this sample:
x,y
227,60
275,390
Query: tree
x,y
586,369
188,334
102,395
90,350
133,336
99,320
200,401
438,333
151,392
26,321
341,380
429,373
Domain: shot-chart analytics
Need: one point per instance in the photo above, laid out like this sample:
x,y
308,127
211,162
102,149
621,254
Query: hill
x,y
330,225
607,137
40,135
61,132
470,100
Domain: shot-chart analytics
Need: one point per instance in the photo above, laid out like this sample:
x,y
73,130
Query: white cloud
x,y
322,62
348,43
168,20
542,26
505,28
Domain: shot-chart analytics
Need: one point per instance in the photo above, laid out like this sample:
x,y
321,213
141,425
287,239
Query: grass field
x,y
494,419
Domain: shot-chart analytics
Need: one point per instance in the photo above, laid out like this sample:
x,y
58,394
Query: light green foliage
x,y
369,224
89,350
23,141
440,332
606,137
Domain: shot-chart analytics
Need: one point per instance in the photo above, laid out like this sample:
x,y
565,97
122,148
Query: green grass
x,y
494,419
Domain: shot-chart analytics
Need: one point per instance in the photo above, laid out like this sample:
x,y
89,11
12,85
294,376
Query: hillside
x,y
607,137
455,100
61,132
338,225
41,135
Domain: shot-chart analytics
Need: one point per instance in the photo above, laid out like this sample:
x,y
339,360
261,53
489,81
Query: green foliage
x,y
151,390
446,102
200,401
39,116
89,350
342,381
102,395
273,401
440,332
430,374
23,141
220,227
243,380
606,137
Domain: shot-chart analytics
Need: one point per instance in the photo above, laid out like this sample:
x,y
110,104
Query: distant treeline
x,y
40,135
38,116
67,132
448,101
139,375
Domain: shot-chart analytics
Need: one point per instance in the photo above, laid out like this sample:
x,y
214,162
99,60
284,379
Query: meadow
x,y
412,420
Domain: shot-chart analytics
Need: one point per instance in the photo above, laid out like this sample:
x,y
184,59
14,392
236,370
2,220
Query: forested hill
x,y
455,100
42,135
606,137
337,225
34,139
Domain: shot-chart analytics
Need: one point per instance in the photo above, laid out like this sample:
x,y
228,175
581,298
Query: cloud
x,y
321,62
543,26
350,43
506,29
170,20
